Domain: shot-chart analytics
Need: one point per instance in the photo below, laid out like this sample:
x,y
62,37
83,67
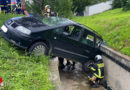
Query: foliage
x,y
97,1
125,4
79,5
37,7
113,26
20,72
116,4
62,7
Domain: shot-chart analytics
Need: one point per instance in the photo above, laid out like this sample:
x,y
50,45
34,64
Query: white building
x,y
98,8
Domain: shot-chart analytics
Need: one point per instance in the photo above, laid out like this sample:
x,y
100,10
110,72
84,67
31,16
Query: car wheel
x,y
85,66
38,49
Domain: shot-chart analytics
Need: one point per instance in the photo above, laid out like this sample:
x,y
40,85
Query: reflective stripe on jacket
x,y
98,70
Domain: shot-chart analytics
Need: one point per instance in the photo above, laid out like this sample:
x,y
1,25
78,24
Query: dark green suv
x,y
58,36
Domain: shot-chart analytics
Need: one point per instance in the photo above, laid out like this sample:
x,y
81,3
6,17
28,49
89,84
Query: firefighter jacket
x,y
98,69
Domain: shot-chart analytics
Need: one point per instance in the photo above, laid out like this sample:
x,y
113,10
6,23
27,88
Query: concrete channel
x,y
69,80
117,73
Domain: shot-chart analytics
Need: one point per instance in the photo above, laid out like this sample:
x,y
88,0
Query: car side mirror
x,y
98,44
104,43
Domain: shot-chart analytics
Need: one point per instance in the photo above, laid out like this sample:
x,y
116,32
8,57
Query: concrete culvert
x,y
75,78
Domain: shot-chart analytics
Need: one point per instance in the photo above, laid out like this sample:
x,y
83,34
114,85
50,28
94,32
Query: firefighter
x,y
8,6
97,72
47,11
3,5
18,7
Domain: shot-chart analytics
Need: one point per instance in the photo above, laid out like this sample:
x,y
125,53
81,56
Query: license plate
x,y
4,28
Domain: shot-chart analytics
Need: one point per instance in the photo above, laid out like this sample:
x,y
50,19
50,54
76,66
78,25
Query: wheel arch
x,y
41,40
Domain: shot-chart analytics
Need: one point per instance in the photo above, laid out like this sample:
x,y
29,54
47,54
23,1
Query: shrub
x,y
62,7
125,4
116,4
79,5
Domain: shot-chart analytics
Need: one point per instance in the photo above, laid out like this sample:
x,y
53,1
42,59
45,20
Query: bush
x,y
116,4
79,5
62,7
125,4
36,7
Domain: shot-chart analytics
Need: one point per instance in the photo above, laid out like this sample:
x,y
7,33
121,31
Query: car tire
x,y
85,66
38,49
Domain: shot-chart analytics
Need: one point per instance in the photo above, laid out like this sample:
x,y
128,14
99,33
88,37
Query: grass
x,y
21,72
114,27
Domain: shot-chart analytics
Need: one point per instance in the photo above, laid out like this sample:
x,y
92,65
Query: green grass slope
x,y
20,72
113,25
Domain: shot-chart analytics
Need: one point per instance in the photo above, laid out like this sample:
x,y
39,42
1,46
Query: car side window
x,y
58,30
98,42
88,39
68,30
77,32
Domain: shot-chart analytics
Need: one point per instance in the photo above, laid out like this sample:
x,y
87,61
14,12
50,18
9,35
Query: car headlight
x,y
23,30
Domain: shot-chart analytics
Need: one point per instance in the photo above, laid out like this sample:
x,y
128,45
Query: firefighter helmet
x,y
47,6
98,58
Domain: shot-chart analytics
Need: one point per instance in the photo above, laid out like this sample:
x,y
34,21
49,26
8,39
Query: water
x,y
76,79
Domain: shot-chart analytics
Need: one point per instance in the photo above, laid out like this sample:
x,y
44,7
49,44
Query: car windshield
x,y
51,21
28,21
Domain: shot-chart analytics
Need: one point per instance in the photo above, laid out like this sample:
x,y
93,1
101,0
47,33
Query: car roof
x,y
50,23
61,22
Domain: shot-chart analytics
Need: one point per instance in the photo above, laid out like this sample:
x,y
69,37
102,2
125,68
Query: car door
x,y
87,43
67,43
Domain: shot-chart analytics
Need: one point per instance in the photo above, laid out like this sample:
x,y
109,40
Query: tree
x,y
79,5
116,4
35,7
62,7
125,4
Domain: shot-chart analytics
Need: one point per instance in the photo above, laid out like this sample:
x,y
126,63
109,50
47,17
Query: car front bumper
x,y
17,39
